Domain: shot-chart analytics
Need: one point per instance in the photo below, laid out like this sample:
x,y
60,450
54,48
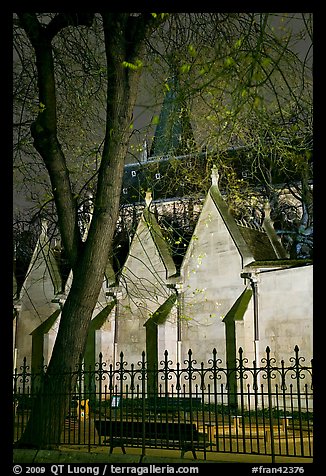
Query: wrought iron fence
x,y
265,409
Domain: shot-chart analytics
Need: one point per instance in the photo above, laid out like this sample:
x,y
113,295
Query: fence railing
x,y
262,409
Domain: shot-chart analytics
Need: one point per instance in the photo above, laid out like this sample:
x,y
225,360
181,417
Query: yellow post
x,y
83,409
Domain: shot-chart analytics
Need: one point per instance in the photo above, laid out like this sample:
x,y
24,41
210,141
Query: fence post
x,y
215,377
242,377
269,371
298,368
143,394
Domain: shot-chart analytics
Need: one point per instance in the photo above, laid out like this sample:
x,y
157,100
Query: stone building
x,y
235,287
231,285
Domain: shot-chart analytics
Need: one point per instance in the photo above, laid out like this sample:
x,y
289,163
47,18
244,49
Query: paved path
x,y
101,455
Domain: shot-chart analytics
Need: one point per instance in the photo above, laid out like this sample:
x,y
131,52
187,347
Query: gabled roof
x,y
43,259
230,223
156,233
253,242
258,242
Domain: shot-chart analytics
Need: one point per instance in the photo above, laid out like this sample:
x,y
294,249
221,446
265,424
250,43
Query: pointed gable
x,y
43,278
143,282
149,250
161,245
231,225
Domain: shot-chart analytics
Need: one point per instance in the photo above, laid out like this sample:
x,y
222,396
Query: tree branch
x,y
63,20
44,133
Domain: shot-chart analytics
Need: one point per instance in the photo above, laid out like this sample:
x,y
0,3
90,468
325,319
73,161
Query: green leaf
x,y
257,101
229,61
266,61
185,68
167,87
238,43
192,50
162,15
133,66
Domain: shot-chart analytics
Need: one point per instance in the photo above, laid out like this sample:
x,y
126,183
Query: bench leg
x,y
184,450
122,447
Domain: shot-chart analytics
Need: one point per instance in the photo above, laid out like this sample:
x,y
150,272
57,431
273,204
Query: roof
x,y
254,243
238,238
159,242
43,259
258,242
173,132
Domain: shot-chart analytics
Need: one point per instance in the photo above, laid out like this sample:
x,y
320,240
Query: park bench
x,y
173,404
169,435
